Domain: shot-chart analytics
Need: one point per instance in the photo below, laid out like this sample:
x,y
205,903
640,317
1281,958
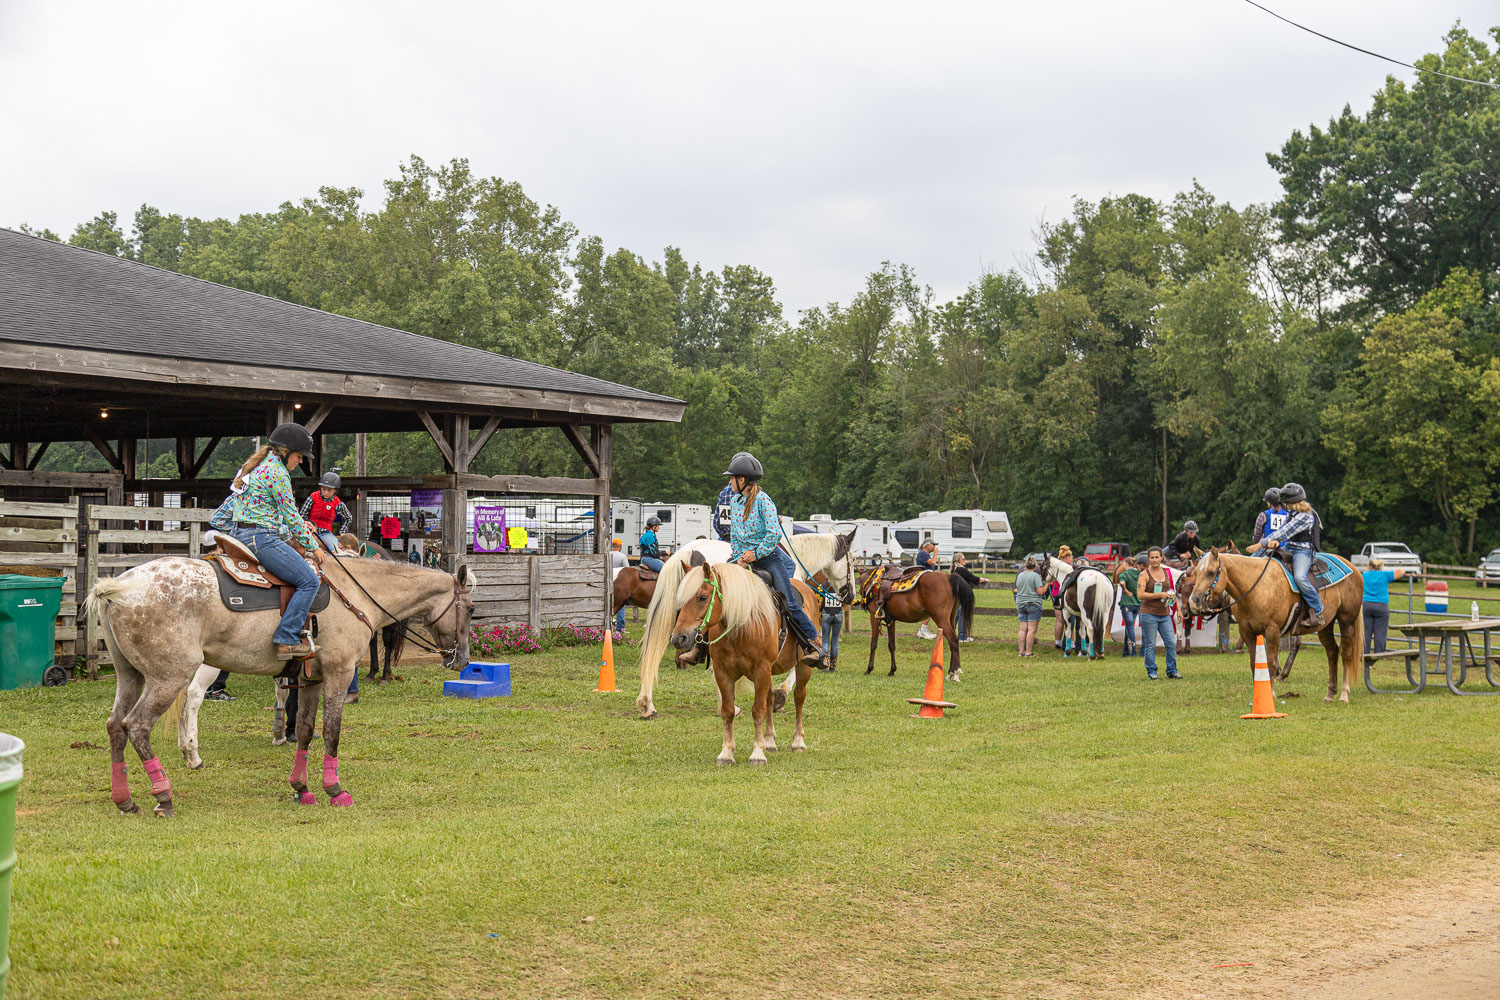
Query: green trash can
x,y
28,627
10,780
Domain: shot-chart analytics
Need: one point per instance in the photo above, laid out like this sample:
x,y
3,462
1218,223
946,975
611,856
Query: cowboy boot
x,y
285,652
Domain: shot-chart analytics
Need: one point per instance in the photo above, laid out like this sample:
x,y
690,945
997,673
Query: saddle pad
x,y
904,584
242,597
1327,570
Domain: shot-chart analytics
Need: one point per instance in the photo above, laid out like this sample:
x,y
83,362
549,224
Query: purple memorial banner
x,y
426,511
489,529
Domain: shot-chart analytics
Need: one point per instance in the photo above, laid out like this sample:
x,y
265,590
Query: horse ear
x,y
696,559
463,575
844,543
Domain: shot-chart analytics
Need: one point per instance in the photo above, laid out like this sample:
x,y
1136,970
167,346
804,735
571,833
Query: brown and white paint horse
x,y
164,620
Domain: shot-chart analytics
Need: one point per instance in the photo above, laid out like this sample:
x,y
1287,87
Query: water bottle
x,y
1473,611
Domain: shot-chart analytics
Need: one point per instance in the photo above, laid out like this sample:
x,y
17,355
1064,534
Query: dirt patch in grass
x,y
1434,938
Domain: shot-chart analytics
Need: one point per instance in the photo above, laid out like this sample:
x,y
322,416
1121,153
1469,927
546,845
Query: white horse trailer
x,y
972,532
626,524
873,539
680,523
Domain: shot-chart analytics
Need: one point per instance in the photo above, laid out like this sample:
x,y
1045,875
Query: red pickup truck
x,y
1106,552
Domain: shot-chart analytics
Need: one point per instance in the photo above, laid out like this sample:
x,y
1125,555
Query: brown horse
x,y
631,590
934,596
1264,604
732,610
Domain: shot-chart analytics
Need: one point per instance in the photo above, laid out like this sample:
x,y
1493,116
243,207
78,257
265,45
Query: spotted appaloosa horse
x,y
164,619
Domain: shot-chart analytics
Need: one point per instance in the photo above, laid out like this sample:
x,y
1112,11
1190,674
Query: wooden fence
x,y
41,539
539,589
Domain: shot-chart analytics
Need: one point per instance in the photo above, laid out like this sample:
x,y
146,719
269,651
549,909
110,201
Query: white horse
x,y
1090,603
811,553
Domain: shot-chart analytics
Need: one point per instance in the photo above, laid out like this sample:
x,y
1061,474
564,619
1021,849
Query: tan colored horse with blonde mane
x,y
731,609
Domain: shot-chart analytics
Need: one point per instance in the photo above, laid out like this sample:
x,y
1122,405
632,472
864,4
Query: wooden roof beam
x,y
584,449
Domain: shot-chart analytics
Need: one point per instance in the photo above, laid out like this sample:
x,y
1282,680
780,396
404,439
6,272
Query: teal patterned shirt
x,y
758,532
268,502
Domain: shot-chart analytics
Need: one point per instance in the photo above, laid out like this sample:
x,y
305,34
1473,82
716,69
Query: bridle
x,y
1232,601
458,591
714,595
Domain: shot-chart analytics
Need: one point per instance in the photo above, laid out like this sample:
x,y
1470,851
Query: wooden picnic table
x,y
1455,651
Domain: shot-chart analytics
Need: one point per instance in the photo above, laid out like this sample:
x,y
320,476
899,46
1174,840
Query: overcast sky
x,y
812,140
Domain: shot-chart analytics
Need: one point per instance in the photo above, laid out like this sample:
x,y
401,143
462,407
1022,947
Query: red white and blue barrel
x,y
1437,596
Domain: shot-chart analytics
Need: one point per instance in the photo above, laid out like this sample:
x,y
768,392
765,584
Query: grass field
x,y
1070,829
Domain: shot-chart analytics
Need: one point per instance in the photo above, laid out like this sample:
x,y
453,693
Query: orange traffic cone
x,y
607,664
1262,699
932,695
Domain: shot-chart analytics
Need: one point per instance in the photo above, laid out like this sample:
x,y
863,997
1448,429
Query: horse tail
x,y
172,718
659,619
395,641
1101,632
963,600
111,588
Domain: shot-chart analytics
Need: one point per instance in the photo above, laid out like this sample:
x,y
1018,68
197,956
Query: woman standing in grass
x,y
1030,596
1127,575
1377,603
1154,590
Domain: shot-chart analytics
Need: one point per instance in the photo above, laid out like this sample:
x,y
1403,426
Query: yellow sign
x,y
515,538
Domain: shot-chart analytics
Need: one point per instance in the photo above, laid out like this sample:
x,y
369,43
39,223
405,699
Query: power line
x,y
1377,55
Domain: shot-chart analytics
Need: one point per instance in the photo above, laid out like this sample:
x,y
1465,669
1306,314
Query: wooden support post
x,y
601,439
36,456
102,447
316,420
279,413
456,500
125,448
534,591
185,448
19,451
361,463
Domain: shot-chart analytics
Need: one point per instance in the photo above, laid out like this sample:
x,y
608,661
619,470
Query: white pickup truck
x,y
1394,555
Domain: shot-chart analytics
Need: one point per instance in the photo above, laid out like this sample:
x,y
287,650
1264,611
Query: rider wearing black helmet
x,y
722,504
265,517
1185,545
650,549
323,508
1273,517
754,533
1302,536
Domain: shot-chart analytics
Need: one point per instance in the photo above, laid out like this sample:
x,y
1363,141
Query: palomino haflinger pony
x,y
1258,594
813,552
1089,603
731,609
165,619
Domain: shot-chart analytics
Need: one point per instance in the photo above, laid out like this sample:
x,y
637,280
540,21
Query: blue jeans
x,y
958,623
780,566
620,620
652,563
1132,617
1302,561
329,540
833,624
283,560
1151,627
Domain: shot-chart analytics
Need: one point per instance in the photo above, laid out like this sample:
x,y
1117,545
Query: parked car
x,y
1394,554
1106,552
1489,568
1040,557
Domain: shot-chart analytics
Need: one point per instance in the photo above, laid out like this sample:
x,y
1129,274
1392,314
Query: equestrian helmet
x,y
1191,526
1273,495
746,465
1293,493
653,521
293,437
330,480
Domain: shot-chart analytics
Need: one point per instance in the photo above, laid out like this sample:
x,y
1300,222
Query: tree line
x,y
1154,360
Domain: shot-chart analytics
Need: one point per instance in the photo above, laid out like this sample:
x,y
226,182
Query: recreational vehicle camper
x,y
972,532
873,541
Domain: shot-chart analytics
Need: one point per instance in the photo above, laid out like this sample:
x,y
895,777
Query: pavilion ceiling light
x,y
103,414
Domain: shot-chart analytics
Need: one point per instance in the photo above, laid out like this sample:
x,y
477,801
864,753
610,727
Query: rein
x,y
398,622
1234,600
811,583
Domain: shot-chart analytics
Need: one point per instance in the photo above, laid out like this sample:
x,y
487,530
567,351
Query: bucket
x,y
1437,596
10,780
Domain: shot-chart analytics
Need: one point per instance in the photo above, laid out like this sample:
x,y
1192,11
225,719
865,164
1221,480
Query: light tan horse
x,y
163,620
731,609
1262,602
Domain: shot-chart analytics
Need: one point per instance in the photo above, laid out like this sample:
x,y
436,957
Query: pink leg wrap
x,y
299,768
119,786
159,783
330,771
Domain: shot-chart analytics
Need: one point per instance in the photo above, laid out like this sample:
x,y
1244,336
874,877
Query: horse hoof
x,y
778,701
163,810
1328,699
342,799
304,798
770,747
798,746
128,807
725,761
277,741
757,761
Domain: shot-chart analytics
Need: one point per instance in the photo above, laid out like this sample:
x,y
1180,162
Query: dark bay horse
x,y
934,596
730,608
630,590
1264,604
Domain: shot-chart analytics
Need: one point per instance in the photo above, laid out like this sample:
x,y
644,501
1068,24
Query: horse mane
x,y
747,601
817,549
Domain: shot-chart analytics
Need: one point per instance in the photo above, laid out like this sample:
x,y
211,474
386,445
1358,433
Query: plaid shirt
x,y
758,532
1296,524
340,513
268,502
